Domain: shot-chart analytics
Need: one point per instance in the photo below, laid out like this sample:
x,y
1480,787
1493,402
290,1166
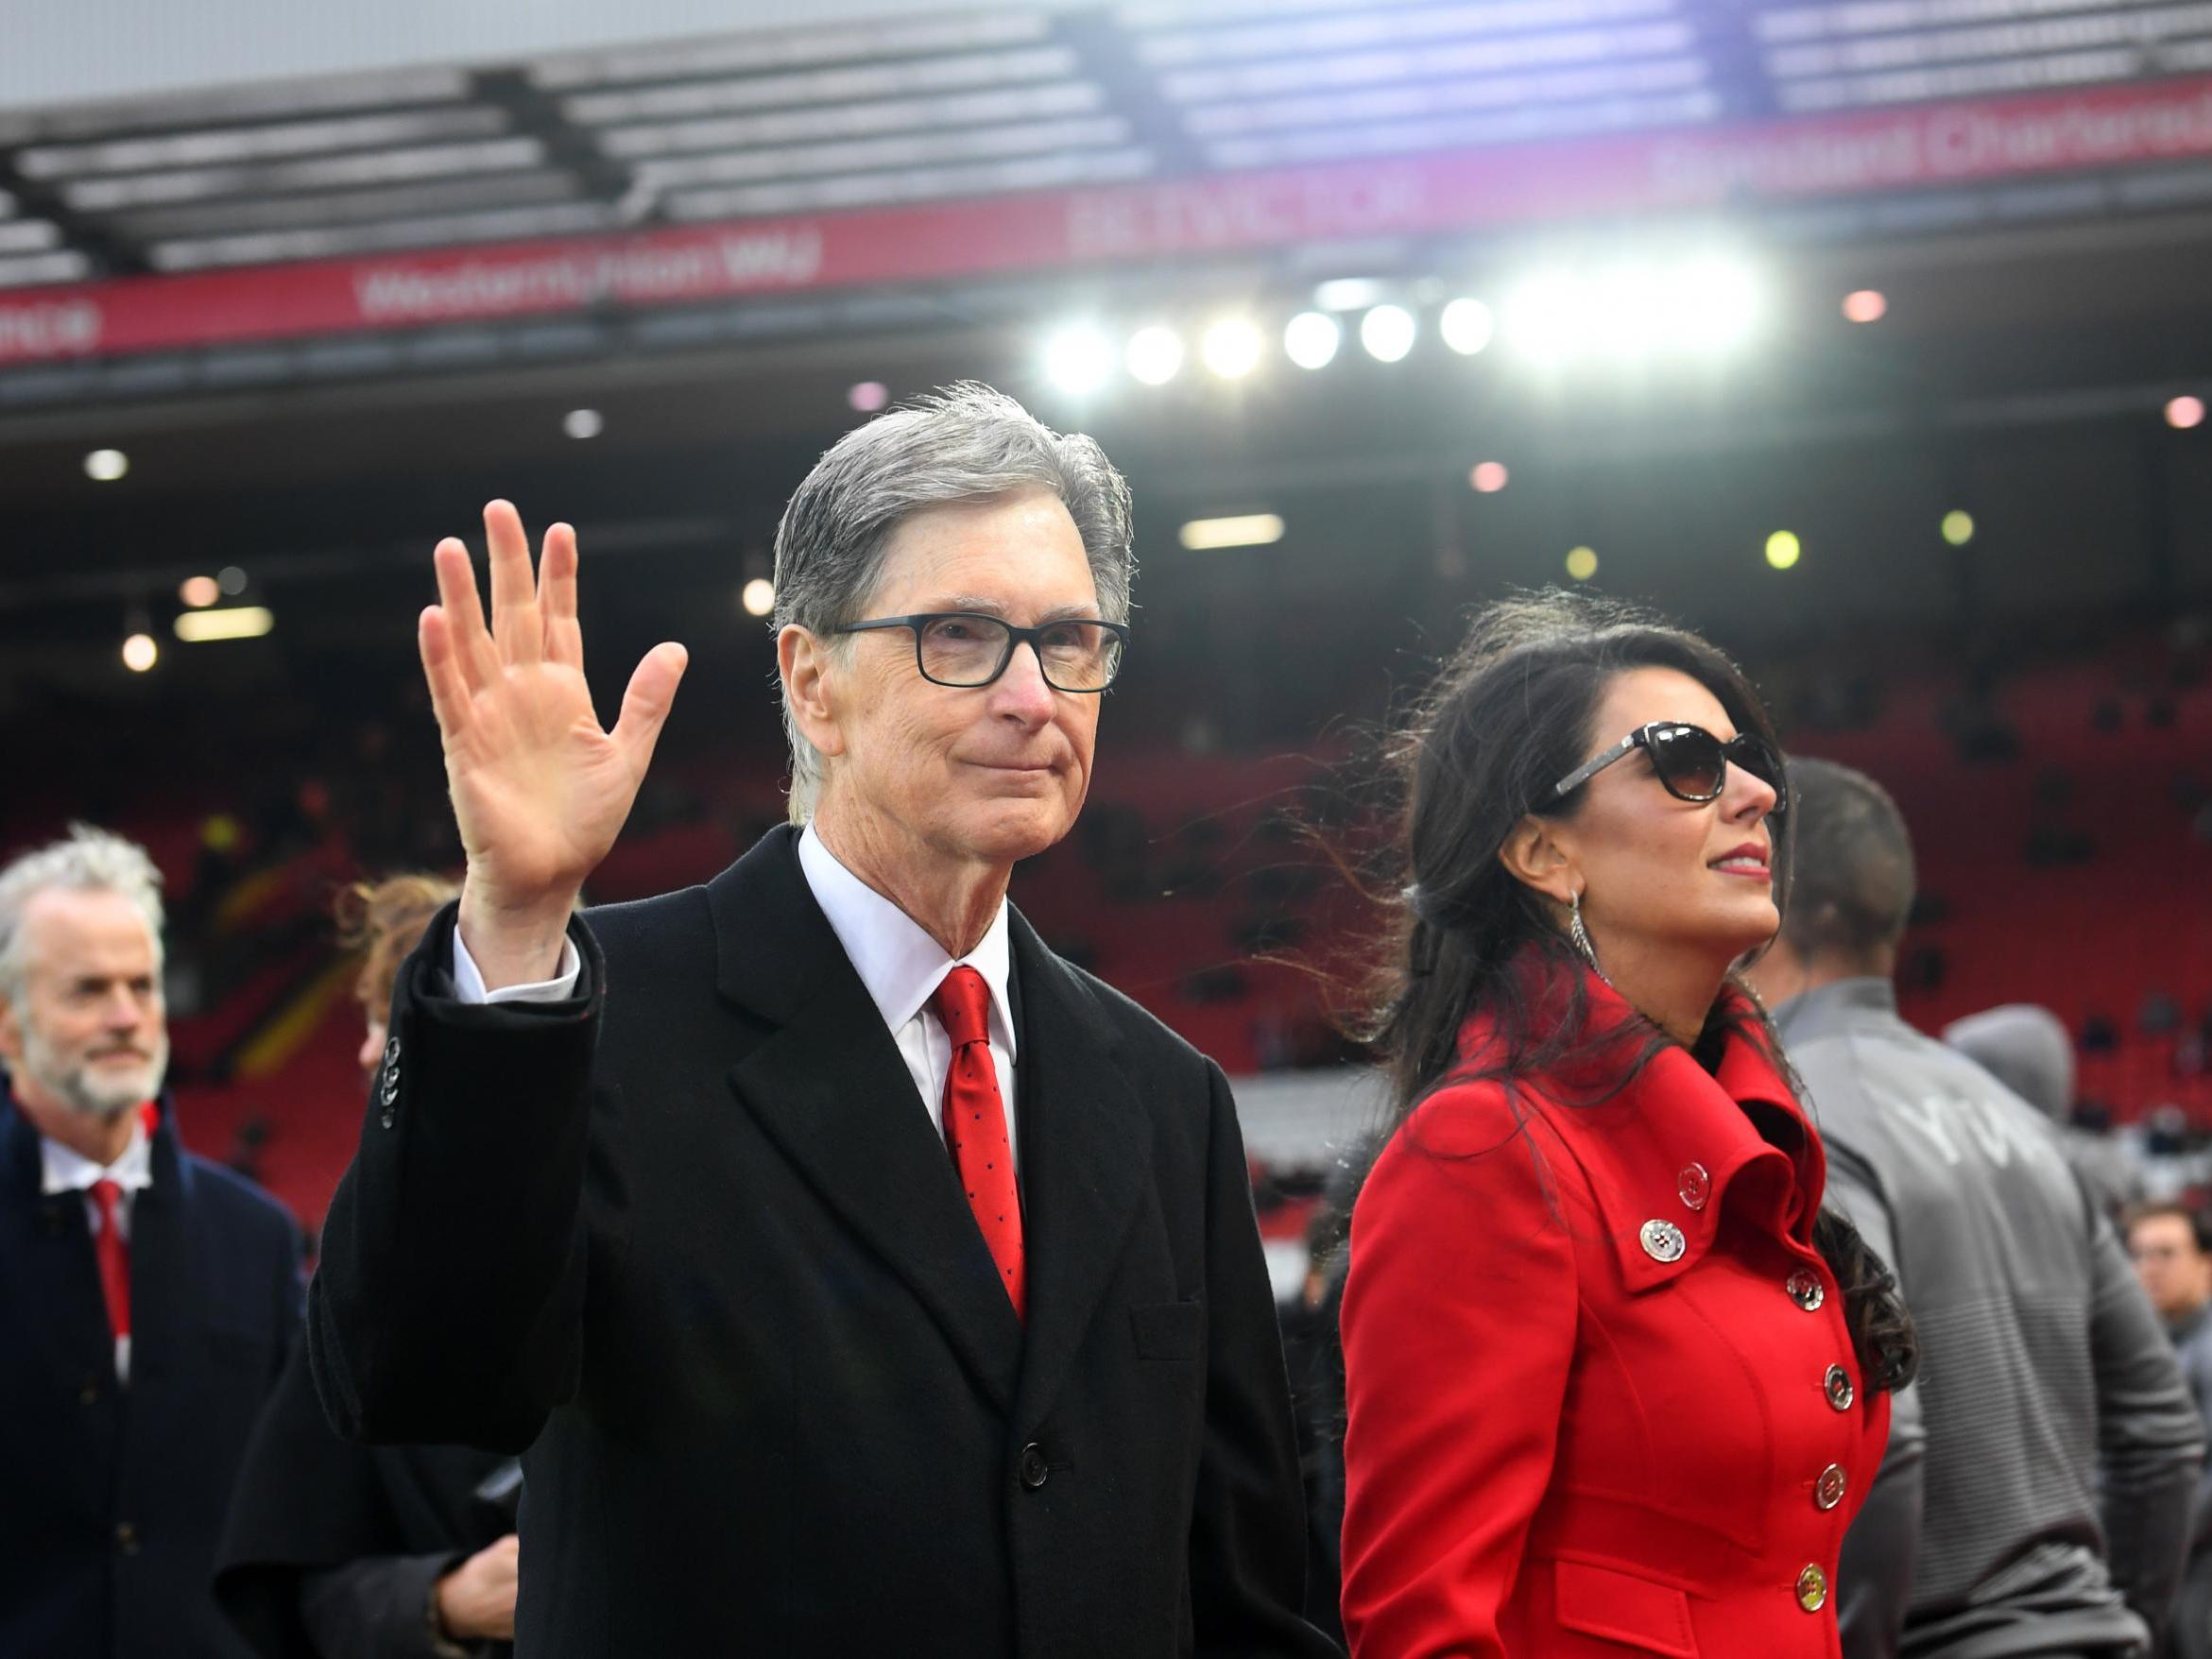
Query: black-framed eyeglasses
x,y
1689,762
963,649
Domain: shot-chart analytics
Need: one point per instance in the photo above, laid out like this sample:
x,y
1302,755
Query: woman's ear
x,y
1535,856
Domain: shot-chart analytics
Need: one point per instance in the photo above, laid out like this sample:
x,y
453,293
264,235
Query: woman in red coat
x,y
1615,1382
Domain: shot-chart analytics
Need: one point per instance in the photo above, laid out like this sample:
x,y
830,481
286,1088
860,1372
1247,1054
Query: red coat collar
x,y
1677,1144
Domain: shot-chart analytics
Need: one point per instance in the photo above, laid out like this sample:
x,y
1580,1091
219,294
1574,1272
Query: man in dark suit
x,y
147,1298
862,1278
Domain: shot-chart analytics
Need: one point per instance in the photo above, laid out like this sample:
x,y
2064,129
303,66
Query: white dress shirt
x,y
64,1169
896,958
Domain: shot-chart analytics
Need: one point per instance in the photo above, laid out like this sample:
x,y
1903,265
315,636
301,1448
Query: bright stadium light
x,y
105,466
757,596
2183,413
1783,550
1232,348
140,653
1544,318
1628,312
1582,563
867,397
1311,338
1488,477
1244,530
1154,355
1466,326
239,621
1958,527
1387,333
1077,359
1347,293
583,423
198,592
1714,303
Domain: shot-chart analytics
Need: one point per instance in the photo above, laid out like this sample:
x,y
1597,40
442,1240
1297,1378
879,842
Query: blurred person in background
x,y
337,1551
2036,1496
2027,1050
147,1297
862,1277
1616,1380
2171,1247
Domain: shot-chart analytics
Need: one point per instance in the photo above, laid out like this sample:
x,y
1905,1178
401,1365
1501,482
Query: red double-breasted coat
x,y
1601,1396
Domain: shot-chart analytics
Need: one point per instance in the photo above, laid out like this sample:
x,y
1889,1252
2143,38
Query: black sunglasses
x,y
1689,762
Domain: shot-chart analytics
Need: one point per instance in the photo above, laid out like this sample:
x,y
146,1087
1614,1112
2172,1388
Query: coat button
x,y
391,1051
1031,1467
1806,1289
1812,1589
389,1091
1827,1490
127,1537
1661,1240
1694,1186
1838,1384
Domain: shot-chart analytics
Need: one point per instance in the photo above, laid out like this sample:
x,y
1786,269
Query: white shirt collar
x,y
64,1169
896,958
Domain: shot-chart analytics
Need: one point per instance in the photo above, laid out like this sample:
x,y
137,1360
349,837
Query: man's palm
x,y
540,789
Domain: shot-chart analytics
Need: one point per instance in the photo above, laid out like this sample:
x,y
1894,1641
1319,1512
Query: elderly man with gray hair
x,y
861,1277
147,1298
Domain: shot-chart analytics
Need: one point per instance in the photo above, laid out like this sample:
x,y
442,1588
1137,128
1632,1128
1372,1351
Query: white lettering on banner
x,y
391,293
2078,135
1950,142
52,329
1244,213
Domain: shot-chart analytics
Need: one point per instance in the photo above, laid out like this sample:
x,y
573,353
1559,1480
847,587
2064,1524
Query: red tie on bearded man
x,y
975,1125
114,1256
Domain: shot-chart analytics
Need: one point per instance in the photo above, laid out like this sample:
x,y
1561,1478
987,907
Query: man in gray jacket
x,y
2036,1496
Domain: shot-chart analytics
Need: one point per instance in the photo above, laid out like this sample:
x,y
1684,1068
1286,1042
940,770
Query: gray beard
x,y
75,1086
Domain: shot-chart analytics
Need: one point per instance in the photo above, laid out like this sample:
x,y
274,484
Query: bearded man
x,y
147,1297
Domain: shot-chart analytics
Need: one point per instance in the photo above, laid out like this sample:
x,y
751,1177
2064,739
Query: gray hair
x,y
86,861
963,443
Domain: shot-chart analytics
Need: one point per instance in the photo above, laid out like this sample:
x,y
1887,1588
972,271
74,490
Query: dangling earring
x,y
1581,935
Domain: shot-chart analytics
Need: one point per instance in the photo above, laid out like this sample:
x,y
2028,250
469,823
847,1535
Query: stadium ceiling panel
x,y
975,104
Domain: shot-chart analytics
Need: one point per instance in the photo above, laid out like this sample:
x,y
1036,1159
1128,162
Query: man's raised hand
x,y
540,787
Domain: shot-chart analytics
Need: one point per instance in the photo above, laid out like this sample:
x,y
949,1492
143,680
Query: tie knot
x,y
963,1007
106,1194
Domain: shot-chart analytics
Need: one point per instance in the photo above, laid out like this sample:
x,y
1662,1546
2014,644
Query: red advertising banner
x,y
1746,164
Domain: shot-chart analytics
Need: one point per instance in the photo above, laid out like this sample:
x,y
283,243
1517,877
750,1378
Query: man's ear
x,y
1536,854
808,669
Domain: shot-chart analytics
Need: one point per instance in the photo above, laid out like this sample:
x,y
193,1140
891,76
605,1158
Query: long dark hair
x,y
1511,713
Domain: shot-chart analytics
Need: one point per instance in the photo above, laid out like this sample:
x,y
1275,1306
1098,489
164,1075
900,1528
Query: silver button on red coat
x,y
1694,1186
1839,1392
1827,1490
1812,1589
1806,1289
1661,1240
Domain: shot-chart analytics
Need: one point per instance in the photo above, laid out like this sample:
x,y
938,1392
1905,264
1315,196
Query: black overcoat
x,y
112,1498
691,1240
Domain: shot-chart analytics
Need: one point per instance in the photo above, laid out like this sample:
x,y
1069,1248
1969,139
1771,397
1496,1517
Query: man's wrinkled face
x,y
88,1031
979,774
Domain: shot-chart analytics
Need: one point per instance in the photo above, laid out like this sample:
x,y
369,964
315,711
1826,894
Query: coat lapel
x,y
828,1087
1086,1148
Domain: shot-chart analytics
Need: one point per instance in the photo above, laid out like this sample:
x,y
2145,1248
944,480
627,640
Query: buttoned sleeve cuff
x,y
469,979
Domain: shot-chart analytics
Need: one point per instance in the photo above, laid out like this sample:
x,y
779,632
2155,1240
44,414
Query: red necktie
x,y
975,1124
114,1256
